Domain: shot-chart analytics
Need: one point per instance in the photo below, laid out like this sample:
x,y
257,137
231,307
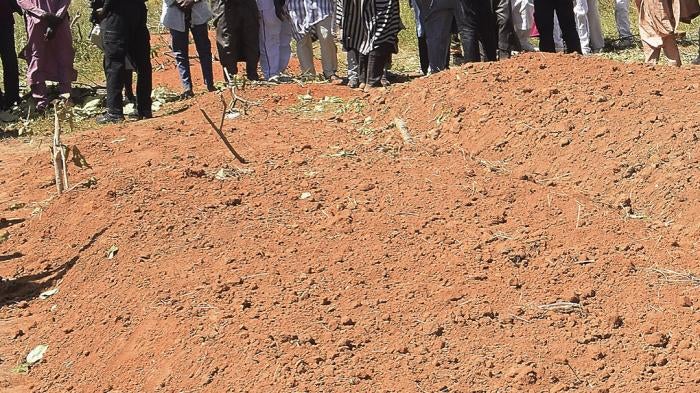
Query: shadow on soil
x,y
29,287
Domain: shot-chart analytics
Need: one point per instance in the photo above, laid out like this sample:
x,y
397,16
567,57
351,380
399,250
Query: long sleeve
x,y
31,8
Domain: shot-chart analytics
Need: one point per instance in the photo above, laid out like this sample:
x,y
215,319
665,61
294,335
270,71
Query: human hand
x,y
50,33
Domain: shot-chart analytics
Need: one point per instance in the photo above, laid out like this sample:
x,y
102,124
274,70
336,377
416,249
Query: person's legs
x,y
200,34
114,42
306,55
507,40
353,68
595,27
329,52
180,47
622,18
129,85
437,25
671,52
270,28
567,22
285,48
10,67
468,26
488,29
251,42
362,61
377,60
423,55
523,19
139,48
544,19
581,15
558,41
651,54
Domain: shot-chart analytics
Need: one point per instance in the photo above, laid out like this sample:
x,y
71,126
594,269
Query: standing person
x,y
420,34
314,19
181,18
96,38
507,39
237,32
124,33
487,28
658,22
49,51
478,30
436,18
369,33
590,30
544,18
10,68
523,21
275,39
622,19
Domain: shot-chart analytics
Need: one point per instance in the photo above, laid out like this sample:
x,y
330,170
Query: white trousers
x,y
275,43
523,12
329,52
622,18
590,30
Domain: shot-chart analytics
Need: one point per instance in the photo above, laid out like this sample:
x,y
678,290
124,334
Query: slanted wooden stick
x,y
222,136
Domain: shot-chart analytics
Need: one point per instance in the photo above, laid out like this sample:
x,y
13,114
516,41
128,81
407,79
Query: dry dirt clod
x,y
657,339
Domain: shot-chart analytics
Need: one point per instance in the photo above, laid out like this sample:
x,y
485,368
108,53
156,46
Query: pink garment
x,y
48,60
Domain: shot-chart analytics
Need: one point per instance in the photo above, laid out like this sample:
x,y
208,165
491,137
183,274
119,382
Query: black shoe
x,y
108,118
141,116
625,43
211,88
8,103
253,77
186,95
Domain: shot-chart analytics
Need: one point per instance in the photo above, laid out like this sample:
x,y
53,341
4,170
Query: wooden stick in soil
x,y
59,155
223,138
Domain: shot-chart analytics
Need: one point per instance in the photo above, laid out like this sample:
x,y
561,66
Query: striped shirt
x,y
366,24
305,14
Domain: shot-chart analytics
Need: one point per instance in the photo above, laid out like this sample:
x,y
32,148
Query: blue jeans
x,y
180,46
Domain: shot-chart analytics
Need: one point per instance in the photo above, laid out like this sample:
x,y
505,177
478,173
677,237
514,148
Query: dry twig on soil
x,y
564,307
671,276
219,131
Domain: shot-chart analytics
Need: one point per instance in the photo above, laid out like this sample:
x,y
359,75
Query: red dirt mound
x,y
533,227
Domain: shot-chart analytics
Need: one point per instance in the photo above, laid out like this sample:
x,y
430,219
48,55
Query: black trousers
x,y
10,68
372,65
477,30
507,40
544,18
125,34
423,55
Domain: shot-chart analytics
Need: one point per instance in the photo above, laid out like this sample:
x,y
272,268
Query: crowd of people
x,y
259,33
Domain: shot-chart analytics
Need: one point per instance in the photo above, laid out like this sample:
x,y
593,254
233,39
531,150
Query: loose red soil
x,y
423,267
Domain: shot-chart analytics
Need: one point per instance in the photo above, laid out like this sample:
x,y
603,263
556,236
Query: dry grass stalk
x,y
563,307
672,276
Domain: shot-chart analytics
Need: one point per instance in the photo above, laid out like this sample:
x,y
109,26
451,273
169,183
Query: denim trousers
x,y
180,47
